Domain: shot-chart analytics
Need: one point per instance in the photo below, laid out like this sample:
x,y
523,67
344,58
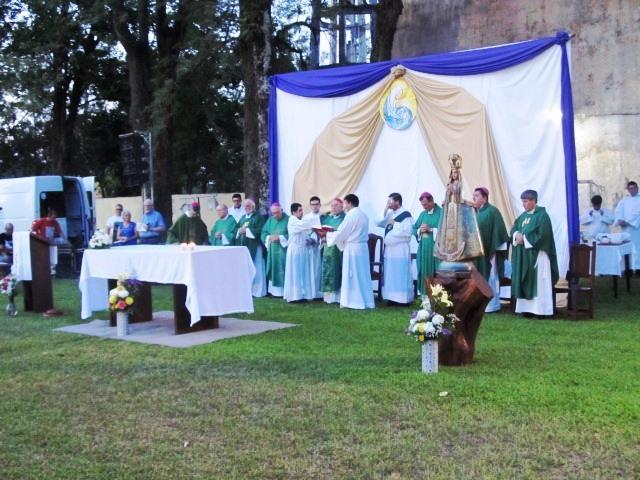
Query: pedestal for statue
x,y
470,294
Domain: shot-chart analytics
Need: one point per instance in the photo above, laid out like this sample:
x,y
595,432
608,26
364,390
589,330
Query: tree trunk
x,y
314,37
255,59
387,14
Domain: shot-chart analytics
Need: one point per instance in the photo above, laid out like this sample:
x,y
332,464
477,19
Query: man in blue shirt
x,y
152,225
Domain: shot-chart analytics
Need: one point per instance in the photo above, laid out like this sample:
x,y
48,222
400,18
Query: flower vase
x,y
11,309
430,356
122,324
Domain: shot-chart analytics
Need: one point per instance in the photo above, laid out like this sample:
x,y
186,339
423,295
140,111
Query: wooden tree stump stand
x,y
470,294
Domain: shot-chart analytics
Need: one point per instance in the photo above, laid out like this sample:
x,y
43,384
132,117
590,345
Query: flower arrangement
x,y
122,298
100,239
435,318
8,286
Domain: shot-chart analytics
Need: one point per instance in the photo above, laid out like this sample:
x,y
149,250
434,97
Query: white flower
x,y
426,304
430,328
437,290
123,293
437,319
422,315
113,291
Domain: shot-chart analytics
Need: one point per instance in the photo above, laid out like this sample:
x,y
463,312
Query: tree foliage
x,y
75,74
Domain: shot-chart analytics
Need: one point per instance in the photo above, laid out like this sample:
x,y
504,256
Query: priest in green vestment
x,y
224,230
248,235
426,229
533,259
189,228
331,256
495,238
274,236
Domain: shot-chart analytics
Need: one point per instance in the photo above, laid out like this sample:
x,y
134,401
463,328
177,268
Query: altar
x,y
215,280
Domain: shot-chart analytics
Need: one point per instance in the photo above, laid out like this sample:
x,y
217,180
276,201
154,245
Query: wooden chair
x,y
506,282
582,265
376,266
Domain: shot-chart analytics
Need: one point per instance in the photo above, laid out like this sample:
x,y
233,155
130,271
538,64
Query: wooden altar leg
x,y
182,317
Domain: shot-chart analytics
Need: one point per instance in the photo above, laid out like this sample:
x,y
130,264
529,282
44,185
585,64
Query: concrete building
x,y
605,68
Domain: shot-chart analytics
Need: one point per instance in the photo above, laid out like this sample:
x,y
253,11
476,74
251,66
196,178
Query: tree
x,y
152,75
255,59
50,53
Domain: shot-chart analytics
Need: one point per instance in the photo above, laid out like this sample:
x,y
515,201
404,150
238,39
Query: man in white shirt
x,y
596,219
397,286
313,247
113,219
351,238
628,218
236,210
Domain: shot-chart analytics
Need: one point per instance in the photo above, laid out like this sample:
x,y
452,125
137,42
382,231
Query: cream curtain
x,y
340,154
451,121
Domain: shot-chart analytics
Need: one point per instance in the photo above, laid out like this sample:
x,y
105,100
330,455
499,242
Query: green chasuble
x,y
536,227
426,261
493,233
226,226
331,257
276,253
188,229
255,222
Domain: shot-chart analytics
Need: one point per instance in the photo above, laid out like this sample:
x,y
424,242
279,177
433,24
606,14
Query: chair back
x,y
114,231
582,263
373,247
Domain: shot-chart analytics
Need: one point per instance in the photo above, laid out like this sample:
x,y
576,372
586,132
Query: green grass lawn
x,y
339,396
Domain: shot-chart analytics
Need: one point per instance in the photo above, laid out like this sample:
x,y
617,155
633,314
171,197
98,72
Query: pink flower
x,y
122,305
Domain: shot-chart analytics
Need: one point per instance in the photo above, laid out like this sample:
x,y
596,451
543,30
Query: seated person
x,y
49,228
6,244
126,232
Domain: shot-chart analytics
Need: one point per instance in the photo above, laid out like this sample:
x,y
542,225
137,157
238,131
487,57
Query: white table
x,y
218,279
614,260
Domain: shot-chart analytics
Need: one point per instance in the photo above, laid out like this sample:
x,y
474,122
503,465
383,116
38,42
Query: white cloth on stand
x,y
610,258
351,238
21,267
218,279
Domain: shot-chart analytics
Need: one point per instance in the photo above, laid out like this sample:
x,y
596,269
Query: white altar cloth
x,y
218,279
610,258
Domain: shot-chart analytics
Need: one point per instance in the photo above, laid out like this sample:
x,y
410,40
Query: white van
x,y
23,200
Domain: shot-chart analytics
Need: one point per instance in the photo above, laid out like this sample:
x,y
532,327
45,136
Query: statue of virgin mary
x,y
458,238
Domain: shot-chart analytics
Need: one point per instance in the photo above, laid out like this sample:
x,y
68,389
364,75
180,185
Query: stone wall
x,y
605,68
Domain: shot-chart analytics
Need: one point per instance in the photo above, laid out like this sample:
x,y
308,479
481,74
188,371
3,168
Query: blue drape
x,y
341,81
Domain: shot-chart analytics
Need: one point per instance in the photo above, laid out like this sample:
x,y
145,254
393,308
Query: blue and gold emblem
x,y
398,107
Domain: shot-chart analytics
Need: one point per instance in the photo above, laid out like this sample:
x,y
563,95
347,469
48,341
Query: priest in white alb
x,y
397,284
351,238
298,284
313,246
628,217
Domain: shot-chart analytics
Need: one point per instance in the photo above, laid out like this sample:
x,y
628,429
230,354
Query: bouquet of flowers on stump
x,y
8,288
434,320
99,240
